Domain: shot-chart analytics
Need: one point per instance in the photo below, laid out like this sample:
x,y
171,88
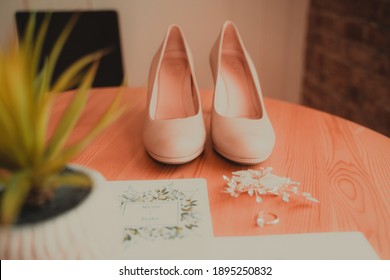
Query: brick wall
x,y
347,68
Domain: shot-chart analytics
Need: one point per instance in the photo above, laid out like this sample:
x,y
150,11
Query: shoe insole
x,y
237,88
175,98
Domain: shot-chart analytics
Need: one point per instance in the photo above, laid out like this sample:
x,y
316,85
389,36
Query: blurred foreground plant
x,y
30,162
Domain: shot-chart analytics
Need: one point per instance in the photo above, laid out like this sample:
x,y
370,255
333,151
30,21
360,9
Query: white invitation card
x,y
158,215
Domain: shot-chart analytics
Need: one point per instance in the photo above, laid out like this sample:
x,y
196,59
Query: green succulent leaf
x,y
28,37
13,197
41,116
71,115
113,112
71,76
10,143
56,51
31,161
70,180
37,49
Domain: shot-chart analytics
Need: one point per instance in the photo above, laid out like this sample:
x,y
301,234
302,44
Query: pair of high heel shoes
x,y
174,130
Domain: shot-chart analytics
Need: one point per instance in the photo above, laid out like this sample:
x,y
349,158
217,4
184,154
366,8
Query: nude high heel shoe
x,y
174,130
240,128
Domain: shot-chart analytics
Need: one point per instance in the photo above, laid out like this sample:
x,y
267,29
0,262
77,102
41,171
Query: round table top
x,y
344,165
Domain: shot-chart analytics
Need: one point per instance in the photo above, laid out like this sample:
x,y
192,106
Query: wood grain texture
x,y
344,165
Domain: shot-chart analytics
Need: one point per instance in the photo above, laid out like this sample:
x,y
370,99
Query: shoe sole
x,y
175,160
240,160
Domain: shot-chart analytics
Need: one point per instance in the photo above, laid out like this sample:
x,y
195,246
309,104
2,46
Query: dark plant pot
x,y
89,230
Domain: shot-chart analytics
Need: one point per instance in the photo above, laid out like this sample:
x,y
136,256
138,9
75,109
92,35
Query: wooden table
x,y
344,165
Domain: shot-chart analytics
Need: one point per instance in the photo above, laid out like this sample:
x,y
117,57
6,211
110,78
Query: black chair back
x,y
94,30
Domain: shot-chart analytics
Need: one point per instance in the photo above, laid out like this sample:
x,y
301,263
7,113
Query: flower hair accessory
x,y
261,182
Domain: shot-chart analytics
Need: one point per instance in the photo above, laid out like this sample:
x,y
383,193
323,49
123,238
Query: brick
x,y
362,9
331,43
381,121
371,87
338,91
363,111
331,75
357,94
379,91
354,113
360,54
311,95
367,57
336,76
335,69
331,23
369,115
315,96
383,13
348,61
380,64
376,118
313,62
313,38
368,109
313,76
314,20
378,37
337,107
354,31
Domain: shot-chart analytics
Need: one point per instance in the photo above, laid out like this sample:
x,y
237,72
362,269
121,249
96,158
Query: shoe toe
x,y
247,149
242,142
178,146
178,143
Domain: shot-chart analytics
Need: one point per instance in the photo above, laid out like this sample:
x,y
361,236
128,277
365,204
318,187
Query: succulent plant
x,y
31,161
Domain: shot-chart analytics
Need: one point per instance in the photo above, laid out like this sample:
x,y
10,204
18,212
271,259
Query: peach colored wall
x,y
273,31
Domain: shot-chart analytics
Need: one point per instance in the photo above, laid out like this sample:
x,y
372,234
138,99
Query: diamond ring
x,y
266,218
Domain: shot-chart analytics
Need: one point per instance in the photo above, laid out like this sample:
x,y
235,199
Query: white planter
x,y
91,230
